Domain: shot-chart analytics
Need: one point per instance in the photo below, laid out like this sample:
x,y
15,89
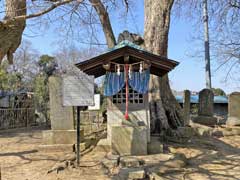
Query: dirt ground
x,y
21,158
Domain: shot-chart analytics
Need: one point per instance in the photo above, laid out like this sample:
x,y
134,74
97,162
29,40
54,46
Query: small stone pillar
x,y
205,108
233,109
186,106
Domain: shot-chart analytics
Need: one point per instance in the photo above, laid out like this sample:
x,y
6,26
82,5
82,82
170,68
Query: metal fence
x,y
17,118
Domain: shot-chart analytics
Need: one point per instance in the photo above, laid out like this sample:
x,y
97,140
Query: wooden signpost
x,y
78,90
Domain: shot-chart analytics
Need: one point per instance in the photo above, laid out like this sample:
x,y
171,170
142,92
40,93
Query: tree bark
x,y
105,21
165,111
11,31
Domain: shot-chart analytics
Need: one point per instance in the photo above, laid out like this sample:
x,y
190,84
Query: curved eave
x,y
159,65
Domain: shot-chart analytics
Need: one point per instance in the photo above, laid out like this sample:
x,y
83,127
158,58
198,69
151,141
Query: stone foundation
x,y
61,136
205,120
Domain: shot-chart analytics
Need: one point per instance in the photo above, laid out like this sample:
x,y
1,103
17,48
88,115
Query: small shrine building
x,y
127,68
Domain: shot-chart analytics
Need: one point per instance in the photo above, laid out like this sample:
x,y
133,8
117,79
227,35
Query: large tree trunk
x,y
11,30
166,113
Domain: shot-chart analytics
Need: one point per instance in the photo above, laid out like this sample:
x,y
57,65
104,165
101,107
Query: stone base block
x,y
155,146
61,136
104,145
129,140
205,120
233,121
185,132
56,148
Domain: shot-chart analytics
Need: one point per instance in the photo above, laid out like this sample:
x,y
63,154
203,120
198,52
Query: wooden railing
x,y
17,118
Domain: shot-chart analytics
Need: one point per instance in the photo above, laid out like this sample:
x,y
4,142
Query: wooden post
x,y
78,135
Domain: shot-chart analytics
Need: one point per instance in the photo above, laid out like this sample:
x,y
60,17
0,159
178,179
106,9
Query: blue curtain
x,y
113,83
139,81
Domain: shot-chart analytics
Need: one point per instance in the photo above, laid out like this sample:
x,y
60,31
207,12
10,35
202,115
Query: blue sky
x,y
188,75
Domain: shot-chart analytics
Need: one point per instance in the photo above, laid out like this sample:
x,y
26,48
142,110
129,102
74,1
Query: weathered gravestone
x,y
186,106
205,108
234,109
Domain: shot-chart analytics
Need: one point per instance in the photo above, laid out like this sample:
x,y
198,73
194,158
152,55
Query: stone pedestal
x,y
129,140
233,109
205,109
206,120
61,136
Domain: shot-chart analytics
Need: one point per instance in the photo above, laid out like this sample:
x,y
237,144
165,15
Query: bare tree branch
x,y
105,21
52,7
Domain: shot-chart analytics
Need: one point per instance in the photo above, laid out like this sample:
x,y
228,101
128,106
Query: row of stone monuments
x,y
206,108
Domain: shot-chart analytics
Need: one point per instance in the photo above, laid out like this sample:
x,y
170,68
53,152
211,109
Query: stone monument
x,y
62,118
205,109
233,109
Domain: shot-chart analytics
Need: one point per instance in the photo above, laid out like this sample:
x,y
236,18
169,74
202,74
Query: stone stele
x,y
205,109
62,120
234,109
206,98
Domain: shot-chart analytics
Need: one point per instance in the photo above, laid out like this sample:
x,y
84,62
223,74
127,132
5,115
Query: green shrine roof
x,y
126,43
159,65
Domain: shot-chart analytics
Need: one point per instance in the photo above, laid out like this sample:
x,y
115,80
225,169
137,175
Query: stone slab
x,y
127,140
233,109
234,105
61,136
138,174
205,120
130,161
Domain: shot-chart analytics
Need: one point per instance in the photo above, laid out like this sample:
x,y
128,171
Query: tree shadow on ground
x,y
215,160
208,158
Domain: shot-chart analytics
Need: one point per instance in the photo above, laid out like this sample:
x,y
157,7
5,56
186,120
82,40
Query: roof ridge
x,y
125,43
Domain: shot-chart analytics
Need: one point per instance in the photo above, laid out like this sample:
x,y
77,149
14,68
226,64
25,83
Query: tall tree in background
x,y
166,113
224,28
10,29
